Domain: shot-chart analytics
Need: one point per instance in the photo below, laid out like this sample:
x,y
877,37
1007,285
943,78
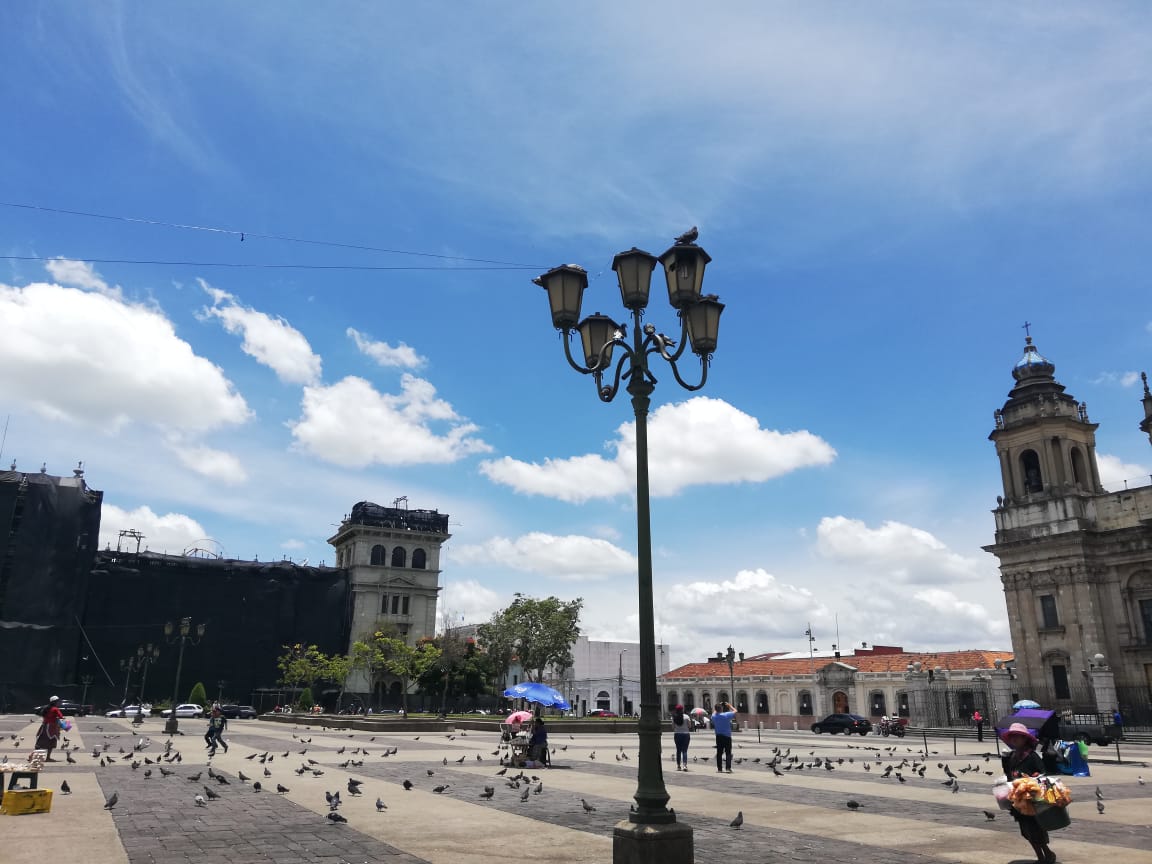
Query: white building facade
x,y
605,676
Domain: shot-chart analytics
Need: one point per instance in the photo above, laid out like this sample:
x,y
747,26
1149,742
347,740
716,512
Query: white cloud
x,y
350,423
172,532
895,551
386,355
1114,471
468,599
1123,379
571,557
697,442
214,464
79,274
93,359
270,341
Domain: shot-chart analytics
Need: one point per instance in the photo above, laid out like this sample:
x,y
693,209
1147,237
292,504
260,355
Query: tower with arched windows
x,y
1075,558
392,555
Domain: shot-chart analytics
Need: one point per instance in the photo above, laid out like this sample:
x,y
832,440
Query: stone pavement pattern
x,y
798,817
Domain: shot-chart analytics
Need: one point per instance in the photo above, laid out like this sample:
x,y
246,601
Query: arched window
x,y
603,701
673,701
742,701
689,700
902,704
722,697
706,701
379,556
761,702
805,703
876,701
1079,473
399,557
1030,467
419,559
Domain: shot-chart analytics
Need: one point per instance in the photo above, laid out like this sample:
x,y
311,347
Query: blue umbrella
x,y
534,691
1025,703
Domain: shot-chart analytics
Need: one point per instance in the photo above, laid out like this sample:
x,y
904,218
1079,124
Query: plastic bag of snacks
x,y
1027,792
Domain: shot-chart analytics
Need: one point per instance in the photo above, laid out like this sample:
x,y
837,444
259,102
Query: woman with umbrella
x,y
1023,761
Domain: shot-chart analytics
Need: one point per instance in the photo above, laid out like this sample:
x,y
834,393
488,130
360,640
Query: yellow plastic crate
x,y
19,802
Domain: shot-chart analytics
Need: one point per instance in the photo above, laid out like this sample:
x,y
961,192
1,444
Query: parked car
x,y
234,712
67,707
129,711
846,723
601,713
185,710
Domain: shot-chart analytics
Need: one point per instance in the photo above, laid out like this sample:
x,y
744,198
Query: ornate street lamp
x,y
620,680
179,635
146,655
651,828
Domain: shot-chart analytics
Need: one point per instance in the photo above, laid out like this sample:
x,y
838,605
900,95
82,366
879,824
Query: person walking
x,y
216,726
722,715
682,735
48,735
978,720
1023,761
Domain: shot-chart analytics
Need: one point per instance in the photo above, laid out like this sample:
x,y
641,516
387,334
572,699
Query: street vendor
x,y
48,735
538,743
1022,760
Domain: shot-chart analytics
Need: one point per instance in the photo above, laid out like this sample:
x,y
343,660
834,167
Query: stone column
x,y
1103,687
1000,694
916,686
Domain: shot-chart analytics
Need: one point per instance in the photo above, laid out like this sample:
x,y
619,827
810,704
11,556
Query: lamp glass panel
x,y
703,320
596,332
634,274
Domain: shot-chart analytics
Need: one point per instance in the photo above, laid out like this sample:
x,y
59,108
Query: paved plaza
x,y
801,816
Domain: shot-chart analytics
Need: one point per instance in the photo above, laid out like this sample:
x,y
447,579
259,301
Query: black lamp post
x,y
651,829
146,655
179,635
86,680
730,657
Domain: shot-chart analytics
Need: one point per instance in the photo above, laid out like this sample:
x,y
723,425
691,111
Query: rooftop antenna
x,y
134,534
396,503
4,438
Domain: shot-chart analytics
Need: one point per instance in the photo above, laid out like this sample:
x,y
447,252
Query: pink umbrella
x,y
518,717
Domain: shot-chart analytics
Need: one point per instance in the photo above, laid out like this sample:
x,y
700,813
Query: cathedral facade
x,y
1075,558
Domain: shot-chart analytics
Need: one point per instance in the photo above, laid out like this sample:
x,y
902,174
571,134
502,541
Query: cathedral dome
x,y
1033,364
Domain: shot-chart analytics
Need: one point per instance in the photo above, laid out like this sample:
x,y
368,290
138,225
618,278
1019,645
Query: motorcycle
x,y
891,726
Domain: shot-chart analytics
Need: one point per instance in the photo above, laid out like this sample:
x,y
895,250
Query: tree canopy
x,y
538,633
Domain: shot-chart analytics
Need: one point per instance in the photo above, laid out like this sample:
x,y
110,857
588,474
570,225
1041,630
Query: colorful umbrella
x,y
1025,703
697,711
534,691
518,717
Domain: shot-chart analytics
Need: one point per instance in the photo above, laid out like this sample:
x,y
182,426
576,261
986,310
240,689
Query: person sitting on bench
x,y
538,743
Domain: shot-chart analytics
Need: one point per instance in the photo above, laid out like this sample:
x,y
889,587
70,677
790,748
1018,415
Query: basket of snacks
x,y
1043,797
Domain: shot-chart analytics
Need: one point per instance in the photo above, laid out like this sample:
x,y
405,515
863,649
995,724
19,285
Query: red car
x,y
600,713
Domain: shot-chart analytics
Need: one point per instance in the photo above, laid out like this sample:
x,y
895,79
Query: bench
x,y
28,770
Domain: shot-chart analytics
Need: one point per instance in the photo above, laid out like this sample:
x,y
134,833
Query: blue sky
x,y
887,191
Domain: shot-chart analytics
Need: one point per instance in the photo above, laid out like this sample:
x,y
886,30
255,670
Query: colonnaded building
x,y
1076,566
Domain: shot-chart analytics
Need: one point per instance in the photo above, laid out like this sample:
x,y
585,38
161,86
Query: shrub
x,y
306,700
198,696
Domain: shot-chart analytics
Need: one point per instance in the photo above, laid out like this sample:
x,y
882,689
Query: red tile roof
x,y
960,661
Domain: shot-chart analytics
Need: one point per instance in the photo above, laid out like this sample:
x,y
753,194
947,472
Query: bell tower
x,y
1046,446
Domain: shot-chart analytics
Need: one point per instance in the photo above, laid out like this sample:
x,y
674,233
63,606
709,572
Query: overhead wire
x,y
243,234
265,266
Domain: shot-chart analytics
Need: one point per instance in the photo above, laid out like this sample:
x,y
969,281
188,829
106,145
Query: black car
x,y
846,723
241,712
67,707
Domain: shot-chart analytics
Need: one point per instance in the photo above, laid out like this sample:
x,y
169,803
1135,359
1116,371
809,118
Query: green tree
x,y
302,666
198,696
538,633
306,700
386,652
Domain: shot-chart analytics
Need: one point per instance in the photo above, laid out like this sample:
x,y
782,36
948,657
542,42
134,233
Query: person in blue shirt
x,y
722,715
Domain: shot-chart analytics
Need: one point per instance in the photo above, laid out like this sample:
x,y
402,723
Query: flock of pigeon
x,y
523,785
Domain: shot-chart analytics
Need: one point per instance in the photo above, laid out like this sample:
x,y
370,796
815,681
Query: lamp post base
x,y
652,844
171,725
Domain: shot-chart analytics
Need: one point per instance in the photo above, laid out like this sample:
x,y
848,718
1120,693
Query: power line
x,y
265,266
244,234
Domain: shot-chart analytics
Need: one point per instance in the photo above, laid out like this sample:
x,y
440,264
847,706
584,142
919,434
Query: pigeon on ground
x,y
524,795
195,778
1140,780
267,773
353,788
1100,807
147,773
439,790
1099,794
209,794
380,805
256,787
240,774
738,821
854,805
407,785
111,800
588,808
200,802
64,788
989,815
282,789
488,792
336,817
